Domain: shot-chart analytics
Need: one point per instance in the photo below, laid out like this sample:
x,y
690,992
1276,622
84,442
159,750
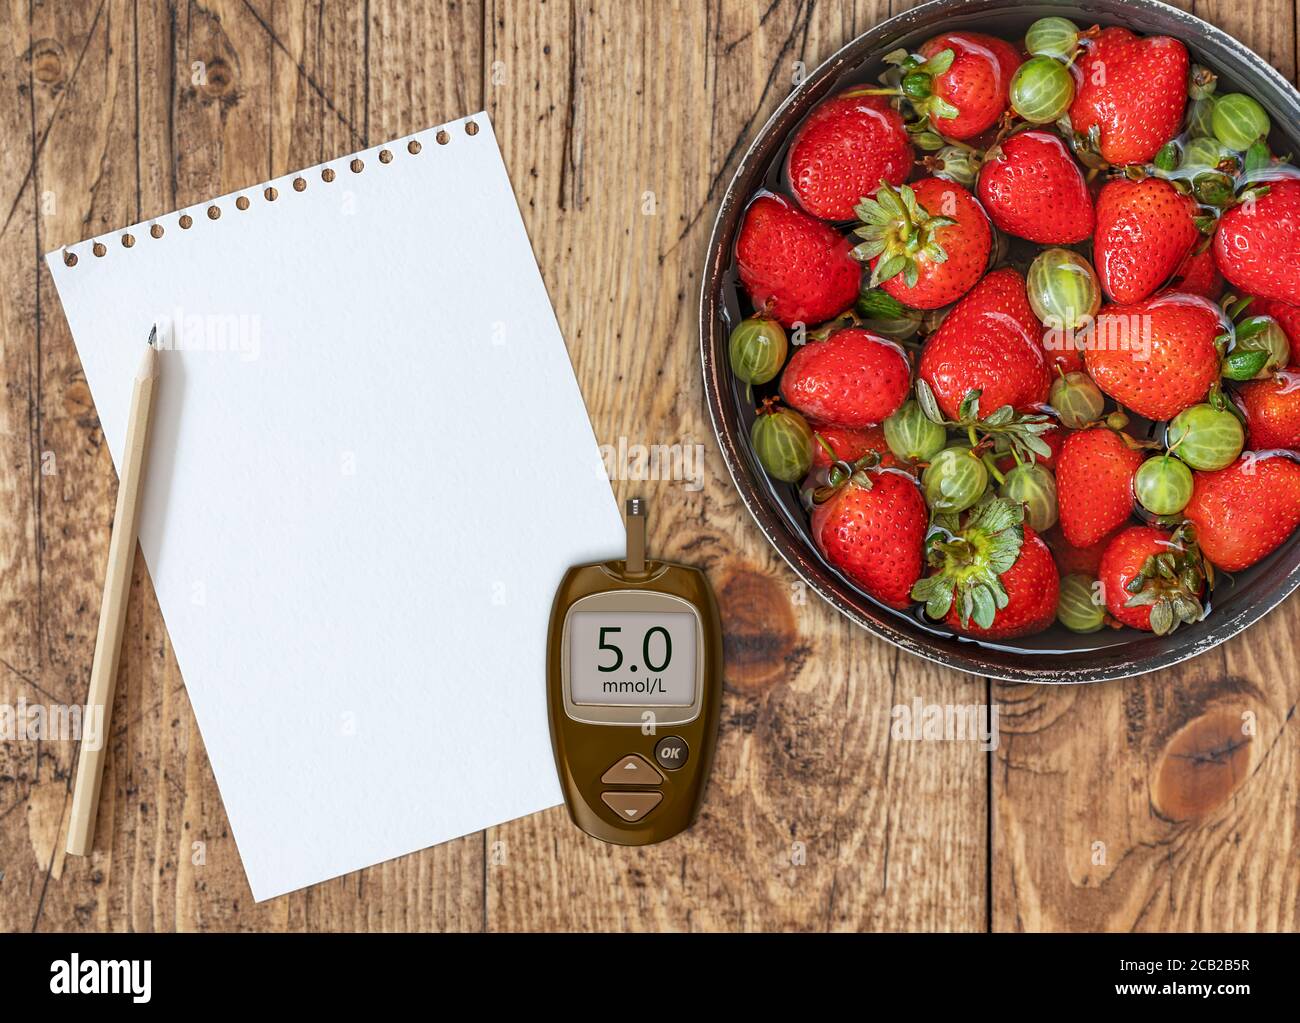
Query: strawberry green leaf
x,y
929,405
944,523
908,198
869,250
984,606
888,268
891,202
1170,583
1162,618
941,109
1253,326
968,562
1244,364
1205,224
939,604
1187,609
940,62
1037,445
870,212
1258,157
996,516
1000,416
910,233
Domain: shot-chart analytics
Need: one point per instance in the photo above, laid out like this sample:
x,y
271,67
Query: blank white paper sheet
x,y
369,467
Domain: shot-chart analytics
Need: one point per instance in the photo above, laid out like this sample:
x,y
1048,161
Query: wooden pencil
x,y
112,611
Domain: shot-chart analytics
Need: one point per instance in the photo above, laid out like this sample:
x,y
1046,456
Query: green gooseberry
x,y
912,435
1052,37
1034,487
1163,485
1042,90
1214,188
1206,438
1200,117
1078,607
1239,120
1168,156
783,442
954,480
1263,334
881,313
957,165
1064,292
1077,400
1204,152
757,349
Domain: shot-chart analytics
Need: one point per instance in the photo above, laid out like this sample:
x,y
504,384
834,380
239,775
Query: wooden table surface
x,y
1165,802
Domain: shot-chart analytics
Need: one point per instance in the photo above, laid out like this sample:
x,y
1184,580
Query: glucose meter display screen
x,y
632,658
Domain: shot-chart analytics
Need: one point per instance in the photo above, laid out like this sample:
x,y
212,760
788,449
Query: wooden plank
x,y
28,771
84,108
621,127
1164,802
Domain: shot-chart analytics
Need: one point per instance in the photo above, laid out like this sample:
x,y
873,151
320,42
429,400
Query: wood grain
x,y
620,125
1179,787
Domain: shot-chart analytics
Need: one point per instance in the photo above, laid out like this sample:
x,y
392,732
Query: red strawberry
x,y
1156,357
994,578
1032,188
841,153
1152,580
975,86
1144,232
1032,587
798,267
1094,484
1272,410
989,342
872,527
850,445
1132,90
1063,348
853,378
1287,316
1071,559
1199,275
1257,243
1245,511
928,243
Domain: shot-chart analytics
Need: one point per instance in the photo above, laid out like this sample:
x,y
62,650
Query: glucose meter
x,y
634,691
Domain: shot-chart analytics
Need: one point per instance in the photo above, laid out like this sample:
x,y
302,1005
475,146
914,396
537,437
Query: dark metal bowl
x,y
1056,655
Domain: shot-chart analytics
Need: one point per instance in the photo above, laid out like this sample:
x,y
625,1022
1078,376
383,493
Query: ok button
x,y
672,752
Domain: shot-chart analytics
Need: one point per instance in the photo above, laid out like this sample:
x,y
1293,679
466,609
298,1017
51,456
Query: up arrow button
x,y
632,770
